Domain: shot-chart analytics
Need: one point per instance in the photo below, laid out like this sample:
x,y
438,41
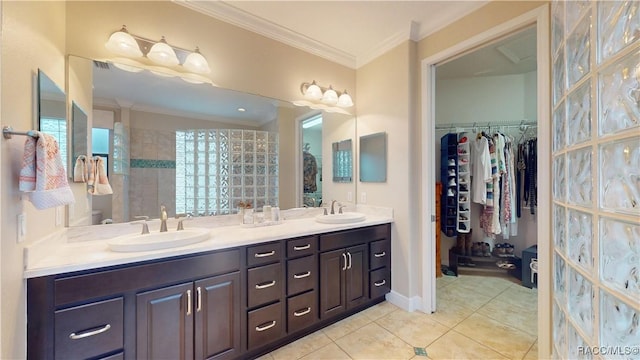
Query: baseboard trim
x,y
408,304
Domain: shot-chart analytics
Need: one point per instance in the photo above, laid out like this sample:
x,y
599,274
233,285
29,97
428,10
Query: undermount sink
x,y
344,218
158,240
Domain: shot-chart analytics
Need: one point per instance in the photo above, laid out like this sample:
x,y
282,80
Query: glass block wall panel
x,y
619,102
619,176
579,115
577,50
580,183
619,328
120,149
620,256
580,302
217,169
618,26
596,226
579,239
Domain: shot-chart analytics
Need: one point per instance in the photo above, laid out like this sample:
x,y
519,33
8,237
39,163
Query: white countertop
x,y
61,254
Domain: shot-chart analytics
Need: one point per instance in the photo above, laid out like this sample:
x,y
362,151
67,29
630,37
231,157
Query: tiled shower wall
x,y
596,179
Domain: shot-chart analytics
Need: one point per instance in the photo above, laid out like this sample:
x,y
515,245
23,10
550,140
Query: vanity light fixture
x,y
160,53
328,99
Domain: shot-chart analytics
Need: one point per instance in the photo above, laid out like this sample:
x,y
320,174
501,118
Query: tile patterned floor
x,y
477,318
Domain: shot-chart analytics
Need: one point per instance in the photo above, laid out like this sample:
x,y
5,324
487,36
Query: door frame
x,y
540,18
299,156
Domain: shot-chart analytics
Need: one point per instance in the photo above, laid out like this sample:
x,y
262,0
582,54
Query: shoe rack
x,y
463,221
449,179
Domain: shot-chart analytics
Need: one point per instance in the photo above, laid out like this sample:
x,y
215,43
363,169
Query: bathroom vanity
x,y
231,302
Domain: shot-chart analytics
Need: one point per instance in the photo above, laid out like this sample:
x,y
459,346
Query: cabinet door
x,y
165,323
217,316
357,273
332,278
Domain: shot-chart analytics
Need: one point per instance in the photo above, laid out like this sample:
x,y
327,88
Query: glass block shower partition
x,y
596,179
216,169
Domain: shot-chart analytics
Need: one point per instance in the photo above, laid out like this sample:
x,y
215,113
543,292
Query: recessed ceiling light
x,y
241,109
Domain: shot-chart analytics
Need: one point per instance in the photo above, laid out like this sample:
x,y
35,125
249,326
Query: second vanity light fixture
x,y
161,53
318,97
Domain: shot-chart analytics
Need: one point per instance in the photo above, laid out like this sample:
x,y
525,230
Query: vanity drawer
x,y
89,330
301,247
380,254
302,311
264,325
264,284
302,274
380,282
264,254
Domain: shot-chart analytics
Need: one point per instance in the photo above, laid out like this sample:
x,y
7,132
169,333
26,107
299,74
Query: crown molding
x,y
232,15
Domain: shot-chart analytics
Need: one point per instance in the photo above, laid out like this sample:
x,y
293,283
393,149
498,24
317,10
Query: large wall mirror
x,y
52,113
164,136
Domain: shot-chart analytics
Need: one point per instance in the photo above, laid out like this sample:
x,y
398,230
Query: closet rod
x,y
476,126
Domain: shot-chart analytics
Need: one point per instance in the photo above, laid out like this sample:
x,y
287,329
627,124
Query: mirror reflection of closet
x,y
52,113
312,161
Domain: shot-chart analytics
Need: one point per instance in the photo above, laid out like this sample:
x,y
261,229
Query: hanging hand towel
x,y
101,184
43,174
80,170
91,172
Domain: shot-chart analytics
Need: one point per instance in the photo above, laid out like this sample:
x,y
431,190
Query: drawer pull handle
x,y
198,299
266,327
261,255
82,335
302,313
302,275
345,262
265,285
303,247
380,254
378,284
188,302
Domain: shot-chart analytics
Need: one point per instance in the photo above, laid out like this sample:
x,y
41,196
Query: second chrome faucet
x,y
163,218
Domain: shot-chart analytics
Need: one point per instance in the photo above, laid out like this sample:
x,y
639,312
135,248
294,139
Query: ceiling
x,y
351,33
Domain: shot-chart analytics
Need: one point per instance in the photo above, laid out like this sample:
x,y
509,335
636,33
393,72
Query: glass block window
x,y
216,169
120,149
58,129
596,181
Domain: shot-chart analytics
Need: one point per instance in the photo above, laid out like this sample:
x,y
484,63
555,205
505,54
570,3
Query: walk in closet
x,y
486,156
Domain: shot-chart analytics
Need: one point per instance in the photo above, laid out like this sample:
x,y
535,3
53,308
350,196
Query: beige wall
x,y
389,77
32,37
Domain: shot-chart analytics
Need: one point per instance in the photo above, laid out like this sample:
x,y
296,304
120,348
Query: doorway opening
x,y
312,161
433,131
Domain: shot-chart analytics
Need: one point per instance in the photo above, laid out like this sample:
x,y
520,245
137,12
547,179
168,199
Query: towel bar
x,y
7,132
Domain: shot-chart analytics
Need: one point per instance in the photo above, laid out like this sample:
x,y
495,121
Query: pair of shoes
x,y
462,140
463,187
503,264
461,208
462,181
462,217
462,226
486,249
452,162
462,152
452,182
450,192
463,161
476,249
463,199
504,249
452,172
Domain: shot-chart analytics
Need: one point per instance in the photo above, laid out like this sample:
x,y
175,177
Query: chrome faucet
x,y
163,218
333,202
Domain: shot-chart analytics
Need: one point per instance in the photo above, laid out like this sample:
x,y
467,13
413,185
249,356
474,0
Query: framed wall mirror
x,y
79,132
52,113
373,157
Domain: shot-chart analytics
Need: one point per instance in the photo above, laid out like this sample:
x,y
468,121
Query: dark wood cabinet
x,y
217,318
165,323
344,279
227,304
